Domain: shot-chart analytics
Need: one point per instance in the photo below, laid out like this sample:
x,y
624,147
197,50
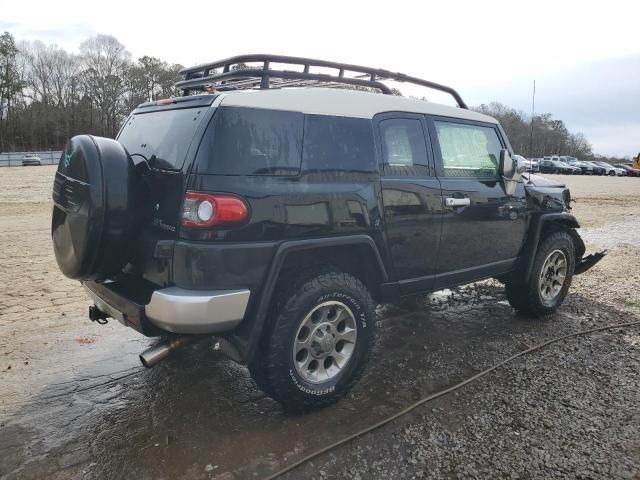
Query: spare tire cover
x,y
93,216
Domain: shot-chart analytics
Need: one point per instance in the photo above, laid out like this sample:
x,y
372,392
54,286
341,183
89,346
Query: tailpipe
x,y
154,355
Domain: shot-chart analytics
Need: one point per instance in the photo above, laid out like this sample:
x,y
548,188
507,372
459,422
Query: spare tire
x,y
94,215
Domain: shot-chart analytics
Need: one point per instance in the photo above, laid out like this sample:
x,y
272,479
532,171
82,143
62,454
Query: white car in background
x,y
611,170
532,165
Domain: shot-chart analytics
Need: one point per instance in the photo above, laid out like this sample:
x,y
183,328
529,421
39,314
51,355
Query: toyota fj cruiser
x,y
274,214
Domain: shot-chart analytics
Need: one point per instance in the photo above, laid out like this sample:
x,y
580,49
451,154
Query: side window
x,y
338,143
468,150
251,141
404,150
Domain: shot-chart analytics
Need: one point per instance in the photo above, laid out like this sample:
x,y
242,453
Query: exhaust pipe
x,y
153,355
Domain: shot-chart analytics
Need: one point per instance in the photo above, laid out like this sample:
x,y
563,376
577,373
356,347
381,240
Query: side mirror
x,y
507,167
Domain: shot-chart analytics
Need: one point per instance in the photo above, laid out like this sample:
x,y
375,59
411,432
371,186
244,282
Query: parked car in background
x,y
31,159
585,168
555,166
597,169
631,172
611,170
565,160
532,165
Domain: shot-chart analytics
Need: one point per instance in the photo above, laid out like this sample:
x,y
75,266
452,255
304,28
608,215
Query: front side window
x,y
251,141
404,151
468,150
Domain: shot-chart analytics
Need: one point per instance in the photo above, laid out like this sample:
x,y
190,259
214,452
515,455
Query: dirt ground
x,y
74,401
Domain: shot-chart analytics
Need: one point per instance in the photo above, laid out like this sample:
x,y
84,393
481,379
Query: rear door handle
x,y
457,202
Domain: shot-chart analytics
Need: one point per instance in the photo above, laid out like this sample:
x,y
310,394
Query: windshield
x,y
162,137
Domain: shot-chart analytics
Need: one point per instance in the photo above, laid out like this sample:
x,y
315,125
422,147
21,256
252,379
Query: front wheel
x,y
317,346
550,278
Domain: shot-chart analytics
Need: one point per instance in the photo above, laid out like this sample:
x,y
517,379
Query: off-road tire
x,y
272,367
526,298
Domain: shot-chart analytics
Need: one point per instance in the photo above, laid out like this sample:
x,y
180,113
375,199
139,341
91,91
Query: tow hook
x,y
97,315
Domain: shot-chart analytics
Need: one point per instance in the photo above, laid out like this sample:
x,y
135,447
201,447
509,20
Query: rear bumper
x,y
172,309
178,310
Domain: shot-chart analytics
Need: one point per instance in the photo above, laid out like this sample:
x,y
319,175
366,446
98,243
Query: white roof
x,y
341,102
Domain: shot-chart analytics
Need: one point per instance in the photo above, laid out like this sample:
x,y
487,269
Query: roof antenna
x,y
533,109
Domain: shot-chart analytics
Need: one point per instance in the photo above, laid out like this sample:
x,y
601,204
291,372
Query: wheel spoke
x,y
324,314
341,315
321,372
304,365
301,346
339,358
348,335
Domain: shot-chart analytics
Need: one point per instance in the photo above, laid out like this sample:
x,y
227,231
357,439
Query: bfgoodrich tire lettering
x,y
274,368
537,297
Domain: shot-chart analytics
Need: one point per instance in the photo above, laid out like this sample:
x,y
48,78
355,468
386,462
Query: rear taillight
x,y
203,210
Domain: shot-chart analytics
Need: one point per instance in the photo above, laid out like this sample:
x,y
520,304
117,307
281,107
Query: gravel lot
x,y
74,402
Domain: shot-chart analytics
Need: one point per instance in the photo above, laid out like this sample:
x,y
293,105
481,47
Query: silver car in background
x,y
31,159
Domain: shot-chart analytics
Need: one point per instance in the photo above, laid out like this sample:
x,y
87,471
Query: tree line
x,y
48,95
540,135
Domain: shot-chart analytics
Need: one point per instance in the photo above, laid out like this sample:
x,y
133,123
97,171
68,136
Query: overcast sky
x,y
584,56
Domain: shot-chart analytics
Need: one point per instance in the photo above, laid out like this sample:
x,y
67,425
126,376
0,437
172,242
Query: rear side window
x,y
404,151
251,141
164,134
468,150
338,143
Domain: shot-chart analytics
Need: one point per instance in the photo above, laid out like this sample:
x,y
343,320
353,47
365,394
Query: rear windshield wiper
x,y
155,163
161,164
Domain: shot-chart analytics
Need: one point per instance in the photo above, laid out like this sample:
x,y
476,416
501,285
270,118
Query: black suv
x,y
276,218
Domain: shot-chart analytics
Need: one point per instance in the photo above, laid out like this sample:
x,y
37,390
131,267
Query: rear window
x,y
251,141
338,143
165,134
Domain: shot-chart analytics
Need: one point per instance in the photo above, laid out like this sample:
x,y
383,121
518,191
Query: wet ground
x,y
74,401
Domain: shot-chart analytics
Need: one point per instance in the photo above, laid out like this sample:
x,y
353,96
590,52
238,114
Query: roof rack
x,y
236,75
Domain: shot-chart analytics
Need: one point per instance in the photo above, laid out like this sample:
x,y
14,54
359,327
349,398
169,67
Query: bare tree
x,y
550,136
106,64
10,88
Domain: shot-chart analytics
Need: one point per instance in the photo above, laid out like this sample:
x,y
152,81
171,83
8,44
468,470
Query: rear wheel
x,y
319,341
550,279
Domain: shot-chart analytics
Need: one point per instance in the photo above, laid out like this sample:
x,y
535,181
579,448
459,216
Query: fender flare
x,y
245,343
533,237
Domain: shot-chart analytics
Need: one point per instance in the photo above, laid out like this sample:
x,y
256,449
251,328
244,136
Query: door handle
x,y
457,202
